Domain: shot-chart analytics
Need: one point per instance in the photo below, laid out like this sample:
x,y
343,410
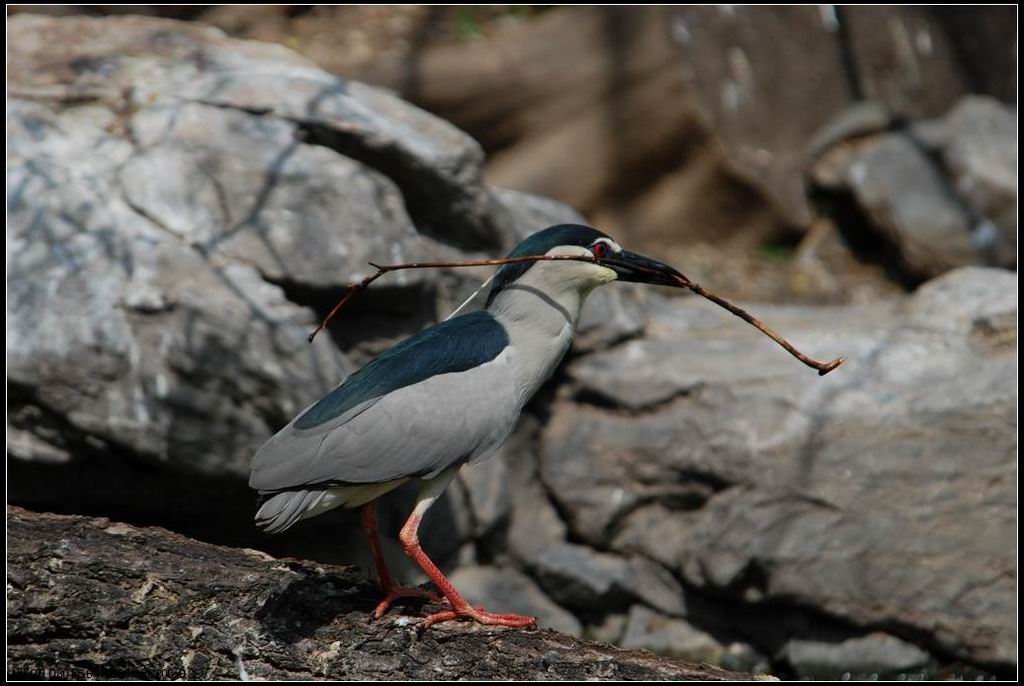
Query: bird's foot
x,y
480,616
399,592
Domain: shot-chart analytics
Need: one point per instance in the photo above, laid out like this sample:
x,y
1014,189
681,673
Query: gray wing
x,y
413,431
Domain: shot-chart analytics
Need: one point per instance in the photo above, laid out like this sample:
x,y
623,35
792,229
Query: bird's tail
x,y
281,510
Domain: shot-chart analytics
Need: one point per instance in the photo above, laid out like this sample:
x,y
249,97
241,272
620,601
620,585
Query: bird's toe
x,y
481,616
400,592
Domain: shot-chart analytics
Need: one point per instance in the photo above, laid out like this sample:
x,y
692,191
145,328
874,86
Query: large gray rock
x,y
595,583
942,191
908,199
882,494
150,224
141,66
664,635
667,636
977,142
131,336
864,657
182,206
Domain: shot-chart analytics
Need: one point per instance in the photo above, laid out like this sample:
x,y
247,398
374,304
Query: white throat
x,y
540,311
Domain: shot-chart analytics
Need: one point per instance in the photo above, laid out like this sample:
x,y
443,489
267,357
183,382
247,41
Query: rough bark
x,y
92,598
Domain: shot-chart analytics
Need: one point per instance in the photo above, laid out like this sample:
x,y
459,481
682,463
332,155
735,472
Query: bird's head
x,y
576,239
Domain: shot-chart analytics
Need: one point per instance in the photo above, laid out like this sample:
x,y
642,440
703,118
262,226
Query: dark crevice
x,y
582,347
432,20
442,209
29,413
868,243
714,482
255,111
370,321
689,491
769,624
847,54
595,398
92,481
153,219
865,240
682,500
458,486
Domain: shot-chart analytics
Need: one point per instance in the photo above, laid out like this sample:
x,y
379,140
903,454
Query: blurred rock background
x,y
183,205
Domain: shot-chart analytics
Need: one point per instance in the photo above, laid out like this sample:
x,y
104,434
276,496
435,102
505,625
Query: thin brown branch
x,y
682,282
685,282
822,367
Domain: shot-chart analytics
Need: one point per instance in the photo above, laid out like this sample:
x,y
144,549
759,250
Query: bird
x,y
444,398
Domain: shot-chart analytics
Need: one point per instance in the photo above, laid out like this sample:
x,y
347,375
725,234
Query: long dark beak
x,y
633,267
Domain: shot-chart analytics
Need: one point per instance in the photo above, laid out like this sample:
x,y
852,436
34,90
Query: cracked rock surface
x,y
749,477
174,197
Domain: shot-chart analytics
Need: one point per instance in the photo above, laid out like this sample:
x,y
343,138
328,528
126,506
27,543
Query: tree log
x,y
89,598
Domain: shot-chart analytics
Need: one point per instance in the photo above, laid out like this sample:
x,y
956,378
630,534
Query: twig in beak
x,y
682,282
822,367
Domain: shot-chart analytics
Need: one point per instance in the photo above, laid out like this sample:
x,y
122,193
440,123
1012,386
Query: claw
x,y
399,592
480,616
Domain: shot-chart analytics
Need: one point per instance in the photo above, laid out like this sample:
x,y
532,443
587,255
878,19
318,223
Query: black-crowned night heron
x,y
442,399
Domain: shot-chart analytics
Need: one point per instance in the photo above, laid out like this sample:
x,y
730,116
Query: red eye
x,y
600,249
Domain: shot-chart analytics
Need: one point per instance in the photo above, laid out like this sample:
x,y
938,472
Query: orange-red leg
x,y
388,587
460,609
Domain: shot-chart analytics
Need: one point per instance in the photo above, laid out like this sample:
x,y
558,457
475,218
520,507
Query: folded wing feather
x,y
445,395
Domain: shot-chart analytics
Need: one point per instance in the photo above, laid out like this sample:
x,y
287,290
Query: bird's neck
x,y
544,313
540,325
